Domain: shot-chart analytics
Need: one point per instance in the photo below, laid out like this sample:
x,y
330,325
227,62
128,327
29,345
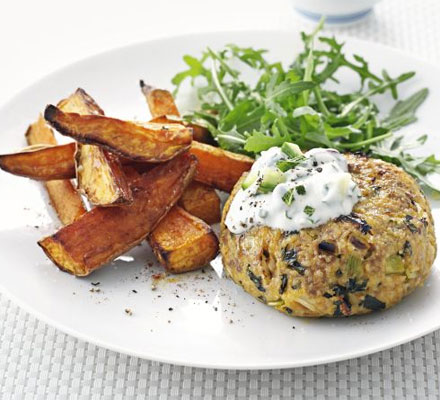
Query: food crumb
x,y
93,290
128,312
231,321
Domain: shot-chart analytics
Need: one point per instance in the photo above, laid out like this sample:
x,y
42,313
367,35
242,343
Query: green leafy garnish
x,y
301,190
288,197
295,104
285,165
309,210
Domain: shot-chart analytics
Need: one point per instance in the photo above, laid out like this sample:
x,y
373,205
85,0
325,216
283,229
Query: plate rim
x,y
176,361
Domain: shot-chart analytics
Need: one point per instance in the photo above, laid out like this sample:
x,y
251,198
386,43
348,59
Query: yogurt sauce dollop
x,y
315,191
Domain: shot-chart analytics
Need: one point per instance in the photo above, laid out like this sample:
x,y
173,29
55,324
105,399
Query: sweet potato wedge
x,y
65,200
54,162
107,232
39,133
140,142
63,197
101,177
41,162
160,102
202,201
183,242
80,102
163,110
219,168
99,173
200,134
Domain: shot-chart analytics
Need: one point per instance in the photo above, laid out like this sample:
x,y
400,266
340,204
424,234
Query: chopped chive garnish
x,y
288,197
301,190
285,165
309,210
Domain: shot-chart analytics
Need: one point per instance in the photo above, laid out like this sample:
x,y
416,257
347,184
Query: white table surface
x,y
37,361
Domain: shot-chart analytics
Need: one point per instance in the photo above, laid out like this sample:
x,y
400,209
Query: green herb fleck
x,y
309,210
301,190
288,197
285,165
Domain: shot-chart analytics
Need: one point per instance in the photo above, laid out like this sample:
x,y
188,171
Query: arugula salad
x,y
294,104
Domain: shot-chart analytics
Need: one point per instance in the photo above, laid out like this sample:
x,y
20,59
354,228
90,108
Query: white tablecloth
x,y
39,362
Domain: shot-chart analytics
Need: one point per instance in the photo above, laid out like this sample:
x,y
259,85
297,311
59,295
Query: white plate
x,y
212,322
